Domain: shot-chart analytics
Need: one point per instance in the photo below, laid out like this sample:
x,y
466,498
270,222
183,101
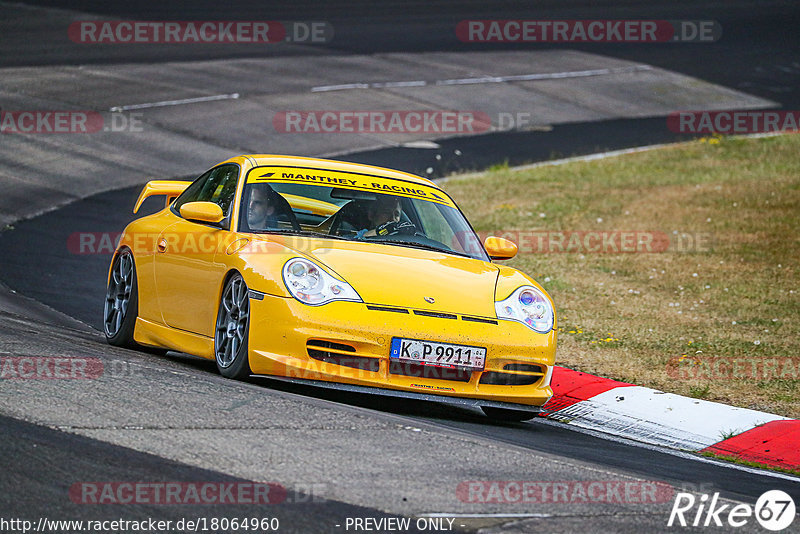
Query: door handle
x,y
162,245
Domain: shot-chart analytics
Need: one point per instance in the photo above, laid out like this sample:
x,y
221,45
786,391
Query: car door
x,y
187,277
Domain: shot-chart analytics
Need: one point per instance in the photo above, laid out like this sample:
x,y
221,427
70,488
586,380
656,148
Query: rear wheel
x,y
232,331
122,302
506,414
122,305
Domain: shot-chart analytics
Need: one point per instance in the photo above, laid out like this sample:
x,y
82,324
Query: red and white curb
x,y
669,420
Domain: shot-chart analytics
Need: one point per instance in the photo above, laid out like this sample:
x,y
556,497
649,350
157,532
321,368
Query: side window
x,y
191,193
217,185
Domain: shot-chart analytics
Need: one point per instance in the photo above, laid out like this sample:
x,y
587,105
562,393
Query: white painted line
x,y
466,516
417,83
546,76
430,145
485,79
341,87
165,103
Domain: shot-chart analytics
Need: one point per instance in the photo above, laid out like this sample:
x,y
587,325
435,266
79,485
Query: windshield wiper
x,y
414,244
324,235
299,232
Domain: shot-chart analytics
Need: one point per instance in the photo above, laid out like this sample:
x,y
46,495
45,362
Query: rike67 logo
x,y
774,510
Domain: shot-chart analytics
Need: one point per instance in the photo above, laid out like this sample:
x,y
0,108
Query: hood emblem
x,y
429,300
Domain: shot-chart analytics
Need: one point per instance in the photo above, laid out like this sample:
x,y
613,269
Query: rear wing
x,y
170,188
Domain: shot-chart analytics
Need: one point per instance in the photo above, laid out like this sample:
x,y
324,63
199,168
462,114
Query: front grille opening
x,y
478,319
526,367
330,345
316,349
435,314
507,379
427,371
386,309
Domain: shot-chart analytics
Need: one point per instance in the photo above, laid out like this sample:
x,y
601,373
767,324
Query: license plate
x,y
438,354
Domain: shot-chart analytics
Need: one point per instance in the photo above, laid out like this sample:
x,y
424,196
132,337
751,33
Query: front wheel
x,y
507,415
233,330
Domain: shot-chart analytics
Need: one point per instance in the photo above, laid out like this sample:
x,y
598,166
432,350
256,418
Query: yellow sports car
x,y
334,274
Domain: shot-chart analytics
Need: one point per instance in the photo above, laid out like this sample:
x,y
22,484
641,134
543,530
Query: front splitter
x,y
453,401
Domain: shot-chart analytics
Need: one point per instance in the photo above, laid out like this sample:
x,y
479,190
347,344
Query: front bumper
x,y
349,343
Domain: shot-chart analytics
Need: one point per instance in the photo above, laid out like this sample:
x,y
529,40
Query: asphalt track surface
x,y
758,55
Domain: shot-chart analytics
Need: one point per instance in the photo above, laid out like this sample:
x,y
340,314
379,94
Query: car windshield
x,y
356,208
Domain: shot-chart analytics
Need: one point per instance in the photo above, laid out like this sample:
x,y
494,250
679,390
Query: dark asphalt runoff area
x,y
55,476
180,421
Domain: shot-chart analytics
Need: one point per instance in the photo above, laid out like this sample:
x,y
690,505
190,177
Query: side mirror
x,y
206,212
499,248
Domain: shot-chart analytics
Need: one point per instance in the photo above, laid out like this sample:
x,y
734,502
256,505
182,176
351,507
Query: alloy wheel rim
x,y
231,322
118,294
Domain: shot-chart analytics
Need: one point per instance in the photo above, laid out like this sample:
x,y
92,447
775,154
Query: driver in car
x,y
261,212
383,216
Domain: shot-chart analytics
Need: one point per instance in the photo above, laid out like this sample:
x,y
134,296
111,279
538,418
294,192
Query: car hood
x,y
407,277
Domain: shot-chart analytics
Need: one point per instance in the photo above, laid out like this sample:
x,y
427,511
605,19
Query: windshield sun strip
x,y
432,193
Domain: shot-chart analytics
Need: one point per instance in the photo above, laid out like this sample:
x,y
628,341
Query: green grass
x,y
735,297
748,463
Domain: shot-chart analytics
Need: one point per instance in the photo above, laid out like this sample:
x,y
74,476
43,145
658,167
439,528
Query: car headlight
x,y
529,306
309,284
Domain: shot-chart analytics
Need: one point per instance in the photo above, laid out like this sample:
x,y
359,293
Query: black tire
x,y
507,415
122,305
122,302
232,331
